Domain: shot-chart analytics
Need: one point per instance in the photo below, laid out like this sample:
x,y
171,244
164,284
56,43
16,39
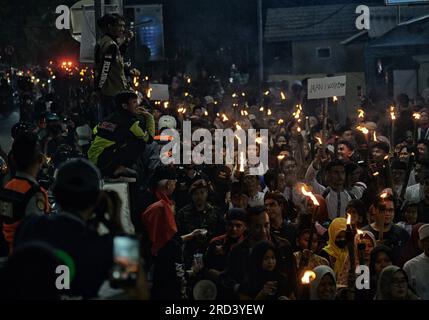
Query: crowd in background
x,y
214,227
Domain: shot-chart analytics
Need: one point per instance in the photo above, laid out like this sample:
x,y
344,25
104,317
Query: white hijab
x,y
320,272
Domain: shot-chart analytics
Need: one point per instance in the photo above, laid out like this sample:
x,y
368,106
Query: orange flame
x,y
308,277
310,195
417,115
362,129
349,218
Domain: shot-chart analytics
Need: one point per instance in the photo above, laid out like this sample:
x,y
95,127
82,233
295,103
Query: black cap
x,y
236,214
199,184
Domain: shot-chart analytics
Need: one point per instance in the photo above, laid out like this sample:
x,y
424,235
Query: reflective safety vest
x,y
14,199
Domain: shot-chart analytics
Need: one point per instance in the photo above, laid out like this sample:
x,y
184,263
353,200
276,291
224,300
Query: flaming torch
x,y
242,161
380,218
316,204
306,279
360,246
417,116
351,250
392,133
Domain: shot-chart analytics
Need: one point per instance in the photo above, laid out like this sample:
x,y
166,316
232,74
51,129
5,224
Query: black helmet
x,y
22,127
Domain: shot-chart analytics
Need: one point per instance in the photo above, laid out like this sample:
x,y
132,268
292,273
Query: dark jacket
x,y
238,266
91,253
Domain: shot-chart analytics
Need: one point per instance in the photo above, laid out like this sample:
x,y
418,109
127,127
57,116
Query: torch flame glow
x,y
242,160
234,95
298,129
166,104
362,129
361,113
417,115
375,136
281,156
149,92
308,277
261,109
269,112
383,195
319,140
238,126
392,113
283,95
334,99
280,121
258,140
349,218
224,117
359,232
310,195
267,92
376,174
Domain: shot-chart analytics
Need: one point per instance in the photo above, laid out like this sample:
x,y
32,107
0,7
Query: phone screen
x,y
126,256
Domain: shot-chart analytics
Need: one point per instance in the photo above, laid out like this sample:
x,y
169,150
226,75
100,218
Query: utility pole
x,y
260,46
97,11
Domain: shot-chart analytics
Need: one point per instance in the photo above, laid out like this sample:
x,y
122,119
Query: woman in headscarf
x,y
166,248
336,251
324,286
393,285
380,257
266,279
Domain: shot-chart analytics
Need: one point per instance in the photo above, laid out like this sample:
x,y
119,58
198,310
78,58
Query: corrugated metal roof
x,y
331,21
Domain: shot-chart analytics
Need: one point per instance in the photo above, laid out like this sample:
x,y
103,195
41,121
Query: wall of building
x,y
342,59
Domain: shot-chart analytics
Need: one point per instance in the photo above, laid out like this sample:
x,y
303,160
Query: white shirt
x,y
414,193
257,200
294,194
417,270
336,202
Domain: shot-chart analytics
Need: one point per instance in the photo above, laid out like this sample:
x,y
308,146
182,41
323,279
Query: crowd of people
x,y
338,192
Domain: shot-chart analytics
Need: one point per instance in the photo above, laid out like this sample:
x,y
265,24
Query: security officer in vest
x,y
122,137
110,69
22,195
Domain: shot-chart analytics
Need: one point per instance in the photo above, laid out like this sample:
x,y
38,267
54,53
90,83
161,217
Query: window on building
x,y
323,53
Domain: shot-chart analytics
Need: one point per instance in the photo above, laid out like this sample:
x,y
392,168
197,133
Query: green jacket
x,y
119,129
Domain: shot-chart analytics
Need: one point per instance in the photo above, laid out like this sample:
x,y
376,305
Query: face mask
x,y
341,243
